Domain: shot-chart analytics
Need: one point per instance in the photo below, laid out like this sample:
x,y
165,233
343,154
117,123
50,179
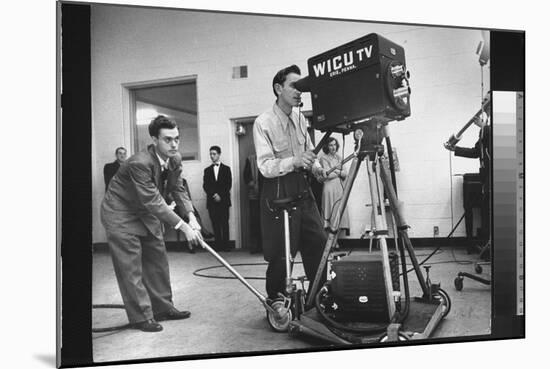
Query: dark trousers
x,y
219,216
141,269
480,197
311,256
485,212
255,226
306,232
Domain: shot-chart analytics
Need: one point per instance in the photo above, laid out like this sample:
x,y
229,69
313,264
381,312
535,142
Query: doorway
x,y
245,143
246,149
176,99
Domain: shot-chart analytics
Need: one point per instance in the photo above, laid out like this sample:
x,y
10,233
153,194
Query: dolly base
x,y
422,320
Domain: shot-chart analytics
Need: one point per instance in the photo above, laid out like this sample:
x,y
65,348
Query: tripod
x,y
369,149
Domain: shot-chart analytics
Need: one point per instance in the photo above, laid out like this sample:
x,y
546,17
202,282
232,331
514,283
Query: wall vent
x,y
240,71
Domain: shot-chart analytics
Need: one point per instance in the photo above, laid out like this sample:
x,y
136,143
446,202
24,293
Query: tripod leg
x,y
372,229
395,234
402,227
333,235
381,227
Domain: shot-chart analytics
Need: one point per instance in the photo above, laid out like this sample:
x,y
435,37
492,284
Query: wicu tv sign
x,y
362,79
352,56
342,63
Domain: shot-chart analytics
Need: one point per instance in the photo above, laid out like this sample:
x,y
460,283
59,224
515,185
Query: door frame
x,y
128,107
237,180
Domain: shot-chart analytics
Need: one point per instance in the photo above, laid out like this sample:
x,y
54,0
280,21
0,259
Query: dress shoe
x,y
148,326
172,315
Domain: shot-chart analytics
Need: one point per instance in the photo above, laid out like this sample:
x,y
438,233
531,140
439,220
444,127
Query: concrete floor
x,y
227,318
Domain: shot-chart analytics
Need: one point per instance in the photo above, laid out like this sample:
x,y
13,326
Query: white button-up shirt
x,y
216,170
278,138
162,162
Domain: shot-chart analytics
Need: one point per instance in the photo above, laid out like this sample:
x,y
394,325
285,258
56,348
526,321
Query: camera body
x,y
362,80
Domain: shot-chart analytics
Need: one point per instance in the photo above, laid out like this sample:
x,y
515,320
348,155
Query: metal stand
x,y
380,181
369,149
459,280
281,311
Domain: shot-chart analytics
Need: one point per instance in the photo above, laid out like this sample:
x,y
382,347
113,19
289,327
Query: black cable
x,y
405,313
460,262
439,247
391,164
113,328
198,274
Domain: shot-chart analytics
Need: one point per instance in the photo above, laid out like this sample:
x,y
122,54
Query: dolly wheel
x,y
400,337
280,320
445,300
459,283
478,269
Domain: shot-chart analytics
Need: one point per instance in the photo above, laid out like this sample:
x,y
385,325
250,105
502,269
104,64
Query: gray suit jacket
x,y
135,199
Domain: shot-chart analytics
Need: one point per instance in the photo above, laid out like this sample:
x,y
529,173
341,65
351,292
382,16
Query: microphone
x,y
301,104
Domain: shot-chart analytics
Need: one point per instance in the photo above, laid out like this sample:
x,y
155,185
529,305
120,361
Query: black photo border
x,y
74,181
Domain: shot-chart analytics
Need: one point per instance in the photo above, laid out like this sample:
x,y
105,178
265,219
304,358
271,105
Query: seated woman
x,y
333,185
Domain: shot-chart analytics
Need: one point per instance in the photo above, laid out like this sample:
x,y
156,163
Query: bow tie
x,y
216,165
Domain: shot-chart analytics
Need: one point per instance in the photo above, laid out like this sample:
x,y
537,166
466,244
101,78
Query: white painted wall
x,y
131,45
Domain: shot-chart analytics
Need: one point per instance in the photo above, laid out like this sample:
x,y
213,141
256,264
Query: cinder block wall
x,y
132,45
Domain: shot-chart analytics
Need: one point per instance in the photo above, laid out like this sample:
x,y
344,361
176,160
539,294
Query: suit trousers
x,y
141,269
219,216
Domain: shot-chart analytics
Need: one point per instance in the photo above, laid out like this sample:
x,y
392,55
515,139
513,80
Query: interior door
x,y
246,148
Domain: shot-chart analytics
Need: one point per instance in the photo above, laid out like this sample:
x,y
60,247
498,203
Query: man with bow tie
x,y
133,212
217,185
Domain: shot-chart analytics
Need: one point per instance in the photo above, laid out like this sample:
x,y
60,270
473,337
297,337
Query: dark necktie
x,y
163,178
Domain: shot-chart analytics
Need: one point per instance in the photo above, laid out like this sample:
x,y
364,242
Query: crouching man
x,y
132,213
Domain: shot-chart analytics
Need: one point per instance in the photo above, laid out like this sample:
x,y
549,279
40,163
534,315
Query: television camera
x,y
360,87
362,81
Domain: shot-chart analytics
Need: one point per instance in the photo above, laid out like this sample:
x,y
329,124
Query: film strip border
x,y
520,204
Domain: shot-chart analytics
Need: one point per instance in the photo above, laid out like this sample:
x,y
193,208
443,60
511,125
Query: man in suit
x,y
133,211
217,185
110,169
